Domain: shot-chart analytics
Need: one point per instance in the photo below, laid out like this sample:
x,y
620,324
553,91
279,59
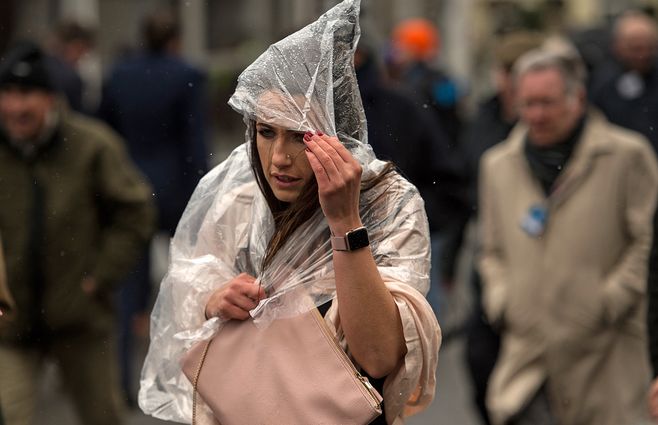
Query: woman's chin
x,y
286,195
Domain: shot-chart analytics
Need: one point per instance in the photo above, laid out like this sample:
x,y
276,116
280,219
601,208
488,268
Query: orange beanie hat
x,y
418,37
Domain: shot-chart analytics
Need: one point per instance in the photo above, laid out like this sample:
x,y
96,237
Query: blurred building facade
x,y
218,30
224,36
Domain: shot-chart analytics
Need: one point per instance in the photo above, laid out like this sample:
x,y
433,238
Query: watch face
x,y
358,238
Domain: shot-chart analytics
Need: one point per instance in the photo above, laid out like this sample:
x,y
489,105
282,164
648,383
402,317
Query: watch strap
x,y
352,240
339,243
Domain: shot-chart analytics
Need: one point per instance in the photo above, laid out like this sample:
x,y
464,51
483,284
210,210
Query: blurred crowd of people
x,y
556,170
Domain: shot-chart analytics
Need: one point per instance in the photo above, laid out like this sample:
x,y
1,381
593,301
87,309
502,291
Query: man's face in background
x,y
23,111
547,107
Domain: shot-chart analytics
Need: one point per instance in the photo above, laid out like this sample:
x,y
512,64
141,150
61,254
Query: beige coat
x,y
571,302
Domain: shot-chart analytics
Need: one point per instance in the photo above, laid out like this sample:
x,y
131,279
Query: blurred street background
x,y
224,36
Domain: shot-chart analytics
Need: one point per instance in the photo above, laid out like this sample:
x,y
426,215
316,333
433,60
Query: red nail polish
x,y
307,149
307,136
320,133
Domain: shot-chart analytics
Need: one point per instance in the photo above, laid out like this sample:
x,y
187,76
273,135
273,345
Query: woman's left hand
x,y
339,180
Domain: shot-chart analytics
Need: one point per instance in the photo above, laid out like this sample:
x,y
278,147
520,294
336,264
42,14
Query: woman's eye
x,y
298,137
266,133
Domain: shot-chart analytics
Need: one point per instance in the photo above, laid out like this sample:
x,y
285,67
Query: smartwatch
x,y
353,240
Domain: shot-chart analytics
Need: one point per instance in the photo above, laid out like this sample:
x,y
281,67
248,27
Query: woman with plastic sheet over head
x,y
302,211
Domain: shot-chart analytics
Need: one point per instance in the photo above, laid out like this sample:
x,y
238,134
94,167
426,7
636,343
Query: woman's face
x,y
283,160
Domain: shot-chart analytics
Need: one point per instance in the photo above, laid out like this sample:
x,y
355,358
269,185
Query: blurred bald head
x,y
635,41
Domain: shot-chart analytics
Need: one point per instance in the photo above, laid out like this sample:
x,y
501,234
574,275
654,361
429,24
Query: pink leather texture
x,y
292,372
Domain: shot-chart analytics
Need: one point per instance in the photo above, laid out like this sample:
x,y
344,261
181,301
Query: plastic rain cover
x,y
304,82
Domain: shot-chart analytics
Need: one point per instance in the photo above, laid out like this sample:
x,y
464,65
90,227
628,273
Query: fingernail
x,y
320,133
308,135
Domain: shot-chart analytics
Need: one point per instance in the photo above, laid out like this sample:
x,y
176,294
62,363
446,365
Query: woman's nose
x,y
286,149
281,153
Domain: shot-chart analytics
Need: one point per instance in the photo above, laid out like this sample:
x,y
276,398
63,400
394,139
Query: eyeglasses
x,y
543,103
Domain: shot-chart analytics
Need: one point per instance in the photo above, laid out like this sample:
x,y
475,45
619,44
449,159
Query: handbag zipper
x,y
365,383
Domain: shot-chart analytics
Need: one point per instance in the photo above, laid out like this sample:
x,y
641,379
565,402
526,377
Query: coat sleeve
x,y
128,213
410,388
491,255
625,286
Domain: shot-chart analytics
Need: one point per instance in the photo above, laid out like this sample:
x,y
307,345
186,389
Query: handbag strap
x,y
196,380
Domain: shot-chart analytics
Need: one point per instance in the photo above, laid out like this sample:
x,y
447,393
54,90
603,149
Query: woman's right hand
x,y
235,299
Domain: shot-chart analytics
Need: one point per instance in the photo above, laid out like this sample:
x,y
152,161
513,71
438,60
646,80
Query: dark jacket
x,y
410,136
156,102
76,208
613,92
437,92
486,129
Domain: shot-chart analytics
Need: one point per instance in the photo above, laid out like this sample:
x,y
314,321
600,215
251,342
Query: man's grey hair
x,y
566,61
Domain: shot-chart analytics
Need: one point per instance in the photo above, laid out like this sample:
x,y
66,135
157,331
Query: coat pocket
x,y
578,306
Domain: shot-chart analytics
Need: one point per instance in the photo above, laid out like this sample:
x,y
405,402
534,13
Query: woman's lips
x,y
284,181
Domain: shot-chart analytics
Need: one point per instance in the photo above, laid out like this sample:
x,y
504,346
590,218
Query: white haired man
x,y
566,210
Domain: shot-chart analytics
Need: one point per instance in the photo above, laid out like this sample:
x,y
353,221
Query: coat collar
x,y
592,144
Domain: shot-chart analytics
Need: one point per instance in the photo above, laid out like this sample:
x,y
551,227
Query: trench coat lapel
x,y
590,147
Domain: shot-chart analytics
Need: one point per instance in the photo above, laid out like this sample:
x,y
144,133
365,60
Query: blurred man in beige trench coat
x,y
566,218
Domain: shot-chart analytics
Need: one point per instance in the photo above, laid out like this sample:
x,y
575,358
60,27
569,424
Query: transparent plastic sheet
x,y
227,223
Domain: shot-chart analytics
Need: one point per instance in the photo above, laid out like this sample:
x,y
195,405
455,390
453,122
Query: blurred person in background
x,y
71,42
626,88
402,131
156,101
495,118
566,204
74,216
414,47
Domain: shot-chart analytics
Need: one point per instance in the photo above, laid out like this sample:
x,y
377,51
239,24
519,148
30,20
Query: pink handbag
x,y
292,372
